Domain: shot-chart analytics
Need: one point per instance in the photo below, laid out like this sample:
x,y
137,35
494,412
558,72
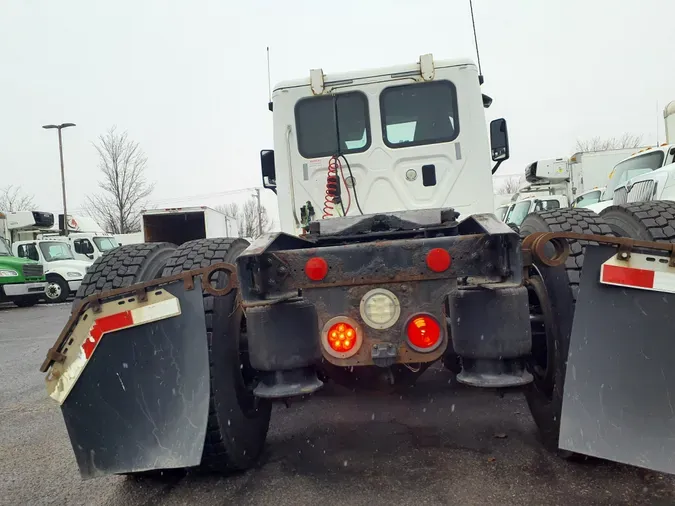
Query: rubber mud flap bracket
x,y
142,401
619,392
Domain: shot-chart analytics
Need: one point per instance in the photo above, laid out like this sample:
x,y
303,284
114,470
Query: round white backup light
x,y
380,308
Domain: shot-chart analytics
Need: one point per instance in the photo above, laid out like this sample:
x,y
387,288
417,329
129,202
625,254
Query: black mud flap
x,y
619,401
142,400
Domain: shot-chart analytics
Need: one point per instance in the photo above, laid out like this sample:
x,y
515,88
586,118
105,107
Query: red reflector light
x,y
424,333
316,268
438,260
342,337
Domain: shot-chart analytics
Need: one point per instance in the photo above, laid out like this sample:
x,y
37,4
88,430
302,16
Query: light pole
x,y
63,175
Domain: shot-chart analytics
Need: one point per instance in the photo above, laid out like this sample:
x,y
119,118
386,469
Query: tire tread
x,y
194,255
657,218
117,268
581,221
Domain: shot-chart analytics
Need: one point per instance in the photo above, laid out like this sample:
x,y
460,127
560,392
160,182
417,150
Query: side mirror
x,y
89,249
269,173
499,140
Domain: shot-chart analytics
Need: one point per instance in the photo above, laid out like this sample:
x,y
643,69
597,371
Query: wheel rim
x,y
53,290
541,360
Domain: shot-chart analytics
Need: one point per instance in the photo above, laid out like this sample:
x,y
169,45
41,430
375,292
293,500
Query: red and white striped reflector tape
x,y
644,272
105,325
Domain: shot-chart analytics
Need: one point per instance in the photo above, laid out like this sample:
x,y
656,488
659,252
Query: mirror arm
x,y
494,169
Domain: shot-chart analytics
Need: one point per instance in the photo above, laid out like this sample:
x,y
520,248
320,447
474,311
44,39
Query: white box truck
x,y
182,224
591,170
576,176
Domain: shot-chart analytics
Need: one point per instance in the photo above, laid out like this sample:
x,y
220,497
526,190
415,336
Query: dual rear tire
x,y
553,293
237,421
646,221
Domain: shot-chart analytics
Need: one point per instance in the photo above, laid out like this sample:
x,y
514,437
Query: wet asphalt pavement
x,y
439,443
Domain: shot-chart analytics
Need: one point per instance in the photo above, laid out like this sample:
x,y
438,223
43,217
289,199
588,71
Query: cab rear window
x,y
418,114
332,125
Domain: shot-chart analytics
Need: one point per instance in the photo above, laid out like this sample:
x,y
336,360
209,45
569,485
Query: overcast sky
x,y
188,79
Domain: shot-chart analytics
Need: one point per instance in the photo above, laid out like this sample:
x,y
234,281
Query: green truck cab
x,y
22,281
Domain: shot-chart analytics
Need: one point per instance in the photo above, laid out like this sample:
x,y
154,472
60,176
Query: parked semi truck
x,y
62,271
22,281
86,246
390,260
578,181
645,175
87,239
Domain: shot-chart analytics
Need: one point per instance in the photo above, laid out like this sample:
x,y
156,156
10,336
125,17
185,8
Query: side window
x,y
83,246
28,251
588,199
500,212
547,205
33,252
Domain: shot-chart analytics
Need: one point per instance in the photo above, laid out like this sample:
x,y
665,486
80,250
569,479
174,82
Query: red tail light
x,y
341,337
424,333
316,268
438,260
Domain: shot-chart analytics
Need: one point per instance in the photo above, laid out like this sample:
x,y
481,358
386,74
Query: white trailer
x,y
130,238
182,224
590,171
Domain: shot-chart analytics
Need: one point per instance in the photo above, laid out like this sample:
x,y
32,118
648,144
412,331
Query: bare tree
x,y
12,198
246,217
509,186
627,140
122,163
230,210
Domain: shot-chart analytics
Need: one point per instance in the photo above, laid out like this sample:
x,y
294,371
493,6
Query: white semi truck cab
x,y
518,211
581,179
86,246
545,189
647,175
374,280
63,272
401,138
